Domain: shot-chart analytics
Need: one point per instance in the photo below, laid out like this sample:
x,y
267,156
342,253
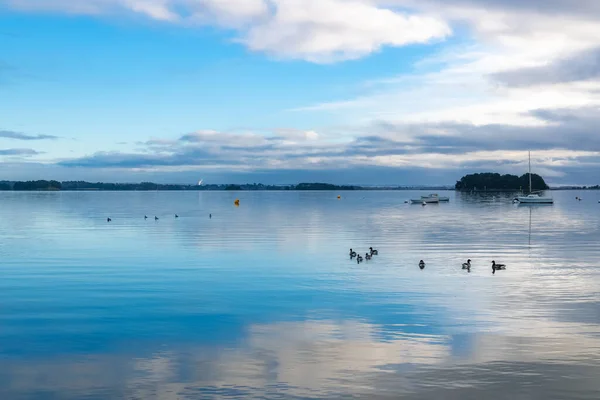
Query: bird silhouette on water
x,y
145,217
210,216
176,216
156,218
108,219
422,264
352,254
373,251
497,267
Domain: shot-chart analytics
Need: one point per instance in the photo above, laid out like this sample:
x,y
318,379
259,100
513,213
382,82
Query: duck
x,y
155,218
373,251
359,259
145,217
467,265
496,267
209,216
368,256
352,253
176,216
422,264
108,219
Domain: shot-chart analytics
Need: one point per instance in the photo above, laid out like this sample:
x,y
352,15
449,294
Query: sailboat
x,y
534,198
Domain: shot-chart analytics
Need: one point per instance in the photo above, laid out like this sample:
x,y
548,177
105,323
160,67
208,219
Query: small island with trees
x,y
495,182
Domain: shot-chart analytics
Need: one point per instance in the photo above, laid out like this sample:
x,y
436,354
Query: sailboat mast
x,y
530,172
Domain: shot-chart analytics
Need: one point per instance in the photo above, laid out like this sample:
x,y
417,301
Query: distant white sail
x,y
200,182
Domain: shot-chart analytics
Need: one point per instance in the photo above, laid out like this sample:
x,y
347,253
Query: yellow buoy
x,y
237,202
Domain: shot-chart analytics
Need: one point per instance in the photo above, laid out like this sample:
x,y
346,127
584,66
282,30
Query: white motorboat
x,y
436,196
427,200
534,198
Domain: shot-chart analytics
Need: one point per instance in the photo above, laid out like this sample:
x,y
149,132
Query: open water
x,y
262,300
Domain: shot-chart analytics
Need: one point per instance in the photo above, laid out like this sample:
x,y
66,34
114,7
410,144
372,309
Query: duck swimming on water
x,y
155,218
108,219
422,264
368,256
373,251
359,259
352,253
145,217
467,265
176,216
497,267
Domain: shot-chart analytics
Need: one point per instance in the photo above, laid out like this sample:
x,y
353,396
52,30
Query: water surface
x,y
262,300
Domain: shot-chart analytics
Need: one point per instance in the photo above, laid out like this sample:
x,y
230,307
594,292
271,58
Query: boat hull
x,y
538,200
425,200
440,199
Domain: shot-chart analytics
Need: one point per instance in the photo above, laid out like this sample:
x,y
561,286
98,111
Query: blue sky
x,y
366,91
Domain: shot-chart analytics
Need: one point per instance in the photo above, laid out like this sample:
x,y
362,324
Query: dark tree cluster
x,y
81,185
37,185
494,181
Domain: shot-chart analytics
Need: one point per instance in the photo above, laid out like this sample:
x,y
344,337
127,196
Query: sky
x,y
379,92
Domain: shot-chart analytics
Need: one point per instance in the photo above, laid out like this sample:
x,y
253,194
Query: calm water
x,y
262,301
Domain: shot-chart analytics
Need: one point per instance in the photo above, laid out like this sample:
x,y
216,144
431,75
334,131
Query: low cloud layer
x,y
563,137
23,136
18,152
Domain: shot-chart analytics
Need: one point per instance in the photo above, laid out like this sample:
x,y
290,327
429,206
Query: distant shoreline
x,y
81,186
44,185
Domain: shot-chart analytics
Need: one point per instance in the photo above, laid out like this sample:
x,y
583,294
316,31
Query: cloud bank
x,y
566,138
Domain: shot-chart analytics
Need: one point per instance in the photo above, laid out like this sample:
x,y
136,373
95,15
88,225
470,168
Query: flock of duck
x,y
155,217
372,252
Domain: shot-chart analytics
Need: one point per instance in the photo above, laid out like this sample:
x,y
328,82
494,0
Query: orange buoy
x,y
339,197
237,202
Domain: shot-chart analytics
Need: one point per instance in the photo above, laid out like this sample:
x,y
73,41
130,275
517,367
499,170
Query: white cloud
x,y
313,30
157,9
504,36
329,30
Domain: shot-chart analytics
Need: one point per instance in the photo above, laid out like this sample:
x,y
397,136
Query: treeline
x,y
597,187
494,181
31,185
149,186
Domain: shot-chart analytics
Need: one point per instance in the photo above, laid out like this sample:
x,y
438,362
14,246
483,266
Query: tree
x,y
495,181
